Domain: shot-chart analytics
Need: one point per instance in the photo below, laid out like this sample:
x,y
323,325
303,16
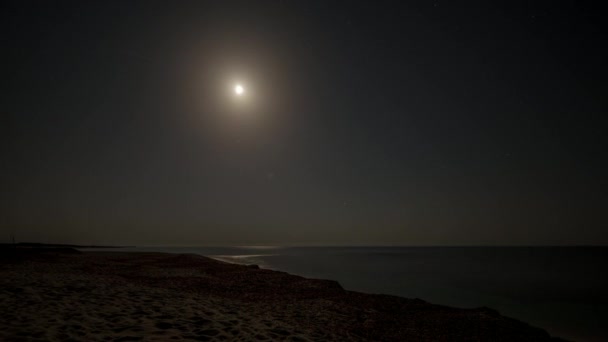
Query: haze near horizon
x,y
303,123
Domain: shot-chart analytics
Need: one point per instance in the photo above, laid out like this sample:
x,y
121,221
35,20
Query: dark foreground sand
x,y
113,296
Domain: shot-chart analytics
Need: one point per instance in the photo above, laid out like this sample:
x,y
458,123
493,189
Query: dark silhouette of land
x,y
53,245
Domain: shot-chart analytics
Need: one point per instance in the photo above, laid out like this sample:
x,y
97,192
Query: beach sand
x,y
66,295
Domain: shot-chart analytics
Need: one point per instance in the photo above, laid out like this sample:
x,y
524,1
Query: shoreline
x,y
117,295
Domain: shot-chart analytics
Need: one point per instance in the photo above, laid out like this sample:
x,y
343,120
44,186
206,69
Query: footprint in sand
x,y
164,325
128,338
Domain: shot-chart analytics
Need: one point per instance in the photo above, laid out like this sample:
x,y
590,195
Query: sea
x,y
563,290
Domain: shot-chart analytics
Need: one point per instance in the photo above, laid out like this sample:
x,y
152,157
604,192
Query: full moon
x,y
239,90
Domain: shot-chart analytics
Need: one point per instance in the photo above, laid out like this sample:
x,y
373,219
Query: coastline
x,y
121,296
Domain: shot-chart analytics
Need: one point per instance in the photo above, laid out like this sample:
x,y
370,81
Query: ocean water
x,y
561,289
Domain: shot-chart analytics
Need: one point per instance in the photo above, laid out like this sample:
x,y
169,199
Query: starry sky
x,y
366,123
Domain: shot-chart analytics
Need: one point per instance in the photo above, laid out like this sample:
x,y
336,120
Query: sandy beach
x,y
64,294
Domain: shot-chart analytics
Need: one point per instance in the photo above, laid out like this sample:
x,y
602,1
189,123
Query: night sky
x,y
364,123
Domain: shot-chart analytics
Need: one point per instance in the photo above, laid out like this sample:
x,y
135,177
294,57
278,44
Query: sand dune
x,y
108,296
